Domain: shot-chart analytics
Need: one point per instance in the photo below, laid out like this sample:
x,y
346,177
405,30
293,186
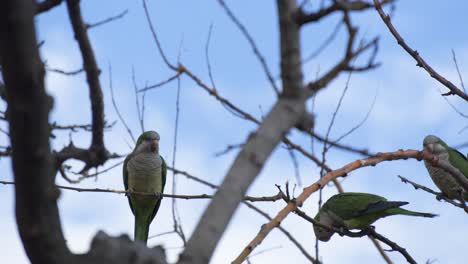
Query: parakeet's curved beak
x,y
154,145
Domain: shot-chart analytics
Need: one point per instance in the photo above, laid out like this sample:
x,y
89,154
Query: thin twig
x,y
207,57
116,108
439,196
344,6
453,89
295,163
68,73
322,47
162,234
285,232
349,132
191,177
455,108
137,102
75,128
326,148
253,45
155,37
175,215
228,149
157,195
454,57
107,20
154,86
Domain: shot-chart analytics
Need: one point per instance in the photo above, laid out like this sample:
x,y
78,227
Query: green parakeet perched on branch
x,y
443,179
144,170
357,211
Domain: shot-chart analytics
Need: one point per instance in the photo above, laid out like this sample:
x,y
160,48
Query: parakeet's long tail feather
x,y
141,229
412,213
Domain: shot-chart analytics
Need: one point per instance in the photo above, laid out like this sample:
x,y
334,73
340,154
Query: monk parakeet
x,y
352,210
144,170
443,179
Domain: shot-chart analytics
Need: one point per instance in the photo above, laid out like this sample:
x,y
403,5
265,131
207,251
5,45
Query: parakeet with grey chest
x,y
443,179
144,170
353,210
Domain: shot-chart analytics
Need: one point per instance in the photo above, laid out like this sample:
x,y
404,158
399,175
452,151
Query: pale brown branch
x,y
285,232
454,90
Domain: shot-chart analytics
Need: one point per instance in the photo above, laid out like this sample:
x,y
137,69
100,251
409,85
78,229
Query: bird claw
x,y
129,191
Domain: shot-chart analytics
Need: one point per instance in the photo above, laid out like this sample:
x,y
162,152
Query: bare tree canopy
x,y
263,111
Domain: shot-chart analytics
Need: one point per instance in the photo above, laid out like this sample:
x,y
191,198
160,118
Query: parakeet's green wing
x,y
163,175
125,179
355,204
458,160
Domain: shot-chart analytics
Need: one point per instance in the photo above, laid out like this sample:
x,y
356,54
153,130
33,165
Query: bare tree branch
x,y
340,5
285,232
36,208
92,76
439,196
252,43
107,20
272,198
454,90
68,73
114,104
454,57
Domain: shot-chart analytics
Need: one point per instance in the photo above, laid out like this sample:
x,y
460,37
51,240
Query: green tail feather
x,y
412,213
141,229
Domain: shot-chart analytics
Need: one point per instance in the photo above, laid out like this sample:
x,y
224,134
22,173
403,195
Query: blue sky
x,y
408,107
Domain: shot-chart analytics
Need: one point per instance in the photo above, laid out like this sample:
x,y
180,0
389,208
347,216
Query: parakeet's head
x,y
321,233
434,145
148,142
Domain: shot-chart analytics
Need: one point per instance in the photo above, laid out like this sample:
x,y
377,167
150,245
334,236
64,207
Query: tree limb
x,y
36,208
454,90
